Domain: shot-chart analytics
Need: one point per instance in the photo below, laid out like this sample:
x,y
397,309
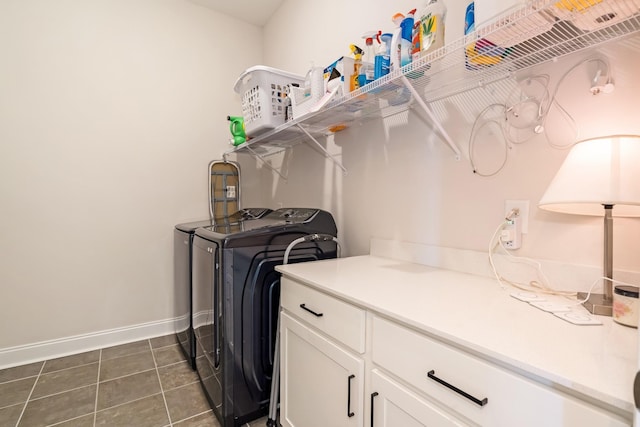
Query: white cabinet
x,y
322,382
393,405
343,365
398,328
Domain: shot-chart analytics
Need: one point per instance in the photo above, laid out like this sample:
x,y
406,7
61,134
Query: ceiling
x,y
251,11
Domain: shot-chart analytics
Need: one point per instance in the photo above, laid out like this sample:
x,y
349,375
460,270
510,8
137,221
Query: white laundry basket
x,y
263,91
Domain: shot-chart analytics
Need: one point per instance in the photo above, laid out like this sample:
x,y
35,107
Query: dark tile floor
x,y
141,384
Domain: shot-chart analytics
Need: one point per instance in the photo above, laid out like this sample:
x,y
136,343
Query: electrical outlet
x,y
511,235
523,212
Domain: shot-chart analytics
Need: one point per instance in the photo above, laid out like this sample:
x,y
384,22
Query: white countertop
x,y
477,314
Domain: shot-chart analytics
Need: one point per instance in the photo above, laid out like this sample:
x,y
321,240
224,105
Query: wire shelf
x,y
540,31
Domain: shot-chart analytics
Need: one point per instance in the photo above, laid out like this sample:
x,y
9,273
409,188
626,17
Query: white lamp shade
x,y
597,172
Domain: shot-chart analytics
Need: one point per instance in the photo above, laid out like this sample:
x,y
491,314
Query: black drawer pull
x,y
374,394
349,413
304,307
431,374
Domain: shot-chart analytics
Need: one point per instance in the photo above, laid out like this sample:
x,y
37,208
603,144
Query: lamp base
x,y
596,304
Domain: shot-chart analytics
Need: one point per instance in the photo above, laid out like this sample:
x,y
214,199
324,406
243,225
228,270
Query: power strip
x,y
563,311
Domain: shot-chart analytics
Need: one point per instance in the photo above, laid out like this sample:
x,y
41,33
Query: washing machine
x,y
236,294
182,255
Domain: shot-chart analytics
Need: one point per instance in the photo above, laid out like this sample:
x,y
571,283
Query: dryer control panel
x,y
298,215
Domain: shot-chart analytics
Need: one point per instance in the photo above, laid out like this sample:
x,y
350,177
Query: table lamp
x,y
600,176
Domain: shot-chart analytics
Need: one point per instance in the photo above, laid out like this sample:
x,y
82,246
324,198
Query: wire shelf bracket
x,y
433,118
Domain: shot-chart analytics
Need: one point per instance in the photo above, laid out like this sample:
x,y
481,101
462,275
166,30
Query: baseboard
x,y
202,318
36,352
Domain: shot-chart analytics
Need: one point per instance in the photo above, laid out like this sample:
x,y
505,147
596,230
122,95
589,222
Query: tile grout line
x,y
66,421
30,393
164,399
57,393
128,402
95,407
127,375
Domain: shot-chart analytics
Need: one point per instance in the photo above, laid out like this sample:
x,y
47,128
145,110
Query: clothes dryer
x,y
236,294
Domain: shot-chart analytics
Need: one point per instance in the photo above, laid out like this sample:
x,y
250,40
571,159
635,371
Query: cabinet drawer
x,y
484,393
343,322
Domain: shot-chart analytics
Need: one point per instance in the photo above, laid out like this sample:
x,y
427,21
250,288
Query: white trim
x,y
43,350
202,318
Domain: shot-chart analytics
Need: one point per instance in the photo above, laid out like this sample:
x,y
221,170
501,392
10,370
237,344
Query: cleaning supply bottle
x,y
382,60
431,26
415,40
236,127
406,39
396,36
369,56
357,77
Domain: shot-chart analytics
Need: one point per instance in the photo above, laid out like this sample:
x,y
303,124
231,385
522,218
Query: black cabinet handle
x,y
349,413
374,394
481,402
304,307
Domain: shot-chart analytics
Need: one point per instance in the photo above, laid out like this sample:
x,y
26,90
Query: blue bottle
x,y
382,62
406,41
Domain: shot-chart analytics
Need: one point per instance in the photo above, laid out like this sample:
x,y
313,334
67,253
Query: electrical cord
x,y
543,81
543,113
595,282
554,102
532,286
542,287
472,138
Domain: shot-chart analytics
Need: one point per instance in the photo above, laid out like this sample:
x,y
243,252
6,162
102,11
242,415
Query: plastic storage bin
x,y
263,91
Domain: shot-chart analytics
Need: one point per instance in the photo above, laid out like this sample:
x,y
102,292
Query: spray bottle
x,y
396,36
369,57
381,63
236,127
357,78
406,27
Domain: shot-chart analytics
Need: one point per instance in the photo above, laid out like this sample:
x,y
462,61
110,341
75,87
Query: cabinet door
x,y
393,406
321,383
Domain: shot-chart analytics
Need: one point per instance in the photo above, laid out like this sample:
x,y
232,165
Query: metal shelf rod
x,y
432,117
324,150
264,162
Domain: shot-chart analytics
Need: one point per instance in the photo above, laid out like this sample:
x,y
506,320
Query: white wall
x,y
403,183
110,111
